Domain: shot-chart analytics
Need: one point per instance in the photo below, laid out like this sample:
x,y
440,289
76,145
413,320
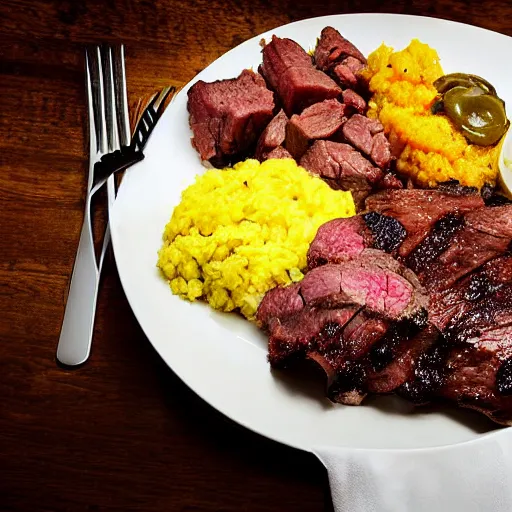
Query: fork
x,y
111,151
109,131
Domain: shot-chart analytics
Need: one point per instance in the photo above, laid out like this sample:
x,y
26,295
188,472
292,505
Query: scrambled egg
x,y
433,149
239,232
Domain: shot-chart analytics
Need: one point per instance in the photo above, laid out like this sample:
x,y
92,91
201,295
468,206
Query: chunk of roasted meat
x,y
413,297
228,116
290,72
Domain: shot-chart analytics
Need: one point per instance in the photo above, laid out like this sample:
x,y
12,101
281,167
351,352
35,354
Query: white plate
x,y
221,356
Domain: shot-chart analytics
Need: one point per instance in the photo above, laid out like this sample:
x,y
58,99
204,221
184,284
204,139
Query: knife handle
x,y
78,323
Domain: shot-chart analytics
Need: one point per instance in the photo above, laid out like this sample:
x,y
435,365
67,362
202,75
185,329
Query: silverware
x,y
119,160
111,150
109,130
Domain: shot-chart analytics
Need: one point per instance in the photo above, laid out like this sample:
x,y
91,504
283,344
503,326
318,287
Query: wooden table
x,y
122,432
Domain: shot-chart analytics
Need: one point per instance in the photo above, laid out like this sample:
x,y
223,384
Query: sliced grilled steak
x,y
319,121
228,116
487,233
362,332
401,368
472,365
289,71
486,315
311,330
272,137
418,210
435,243
343,239
332,48
478,380
374,280
448,306
348,372
339,240
279,302
429,375
360,336
343,167
343,358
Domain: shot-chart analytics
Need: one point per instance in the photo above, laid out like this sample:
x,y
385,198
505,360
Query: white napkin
x,y
475,476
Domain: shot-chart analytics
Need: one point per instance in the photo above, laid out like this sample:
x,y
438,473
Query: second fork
x,y
108,131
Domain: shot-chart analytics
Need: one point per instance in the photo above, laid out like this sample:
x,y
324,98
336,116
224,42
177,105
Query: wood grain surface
x,y
122,432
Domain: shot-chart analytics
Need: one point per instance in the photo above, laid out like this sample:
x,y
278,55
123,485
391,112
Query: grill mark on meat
x,y
497,200
402,366
362,332
418,210
344,239
359,335
309,331
470,381
475,375
504,378
496,340
300,333
346,376
429,375
436,242
486,234
493,311
480,287
388,233
349,385
454,187
383,352
447,307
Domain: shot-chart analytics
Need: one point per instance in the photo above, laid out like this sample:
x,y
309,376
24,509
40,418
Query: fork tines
x,y
105,66
151,113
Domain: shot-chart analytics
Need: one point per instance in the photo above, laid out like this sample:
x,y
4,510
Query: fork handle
x,y
77,327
